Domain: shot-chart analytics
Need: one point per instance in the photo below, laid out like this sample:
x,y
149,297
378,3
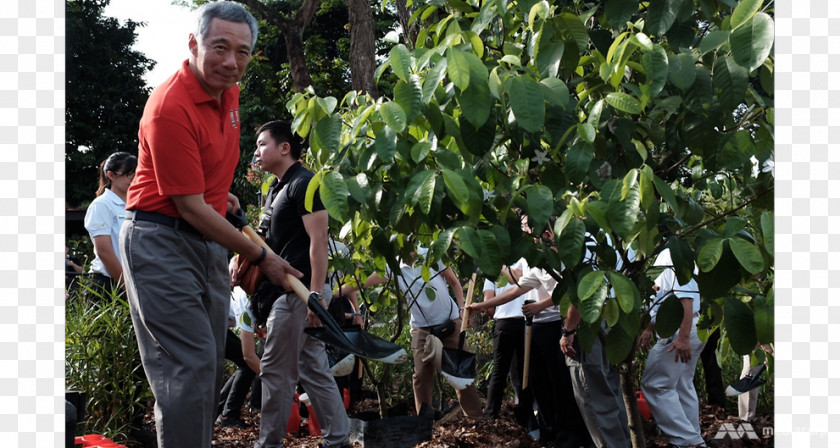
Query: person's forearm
x,y
214,226
507,296
572,318
105,250
249,353
688,318
455,286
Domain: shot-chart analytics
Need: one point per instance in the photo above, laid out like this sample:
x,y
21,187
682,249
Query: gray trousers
x,y
178,293
597,389
668,386
290,354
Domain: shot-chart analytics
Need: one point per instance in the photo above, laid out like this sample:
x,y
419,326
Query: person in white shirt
x,y
104,218
560,419
668,380
425,314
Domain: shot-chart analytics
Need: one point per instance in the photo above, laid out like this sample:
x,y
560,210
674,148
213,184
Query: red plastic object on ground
x,y
314,426
644,409
346,396
91,440
294,418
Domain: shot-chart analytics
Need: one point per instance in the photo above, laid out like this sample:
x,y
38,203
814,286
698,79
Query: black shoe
x,y
228,422
324,445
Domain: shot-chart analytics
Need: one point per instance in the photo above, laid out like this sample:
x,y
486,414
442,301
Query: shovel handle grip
x,y
298,286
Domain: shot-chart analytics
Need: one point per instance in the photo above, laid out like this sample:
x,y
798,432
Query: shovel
x,y
526,368
458,365
351,340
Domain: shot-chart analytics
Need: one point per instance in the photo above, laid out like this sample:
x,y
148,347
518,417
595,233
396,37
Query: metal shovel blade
x,y
352,340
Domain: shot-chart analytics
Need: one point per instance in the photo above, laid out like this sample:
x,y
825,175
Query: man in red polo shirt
x,y
175,239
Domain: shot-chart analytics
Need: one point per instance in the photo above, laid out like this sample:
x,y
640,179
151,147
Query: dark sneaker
x,y
228,422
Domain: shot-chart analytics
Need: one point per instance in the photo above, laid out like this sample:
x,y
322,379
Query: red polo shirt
x,y
189,144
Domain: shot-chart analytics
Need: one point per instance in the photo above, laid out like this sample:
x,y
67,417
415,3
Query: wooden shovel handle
x,y
301,290
526,368
470,290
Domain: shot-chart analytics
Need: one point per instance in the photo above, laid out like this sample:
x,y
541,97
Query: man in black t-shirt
x,y
300,236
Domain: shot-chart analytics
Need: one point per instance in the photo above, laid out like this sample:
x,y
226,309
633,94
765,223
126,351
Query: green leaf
x,y
611,312
731,79
359,187
394,116
747,254
334,195
328,133
681,70
740,326
713,41
767,230
589,284
477,141
661,15
752,42
618,344
587,132
655,63
470,242
623,214
734,225
573,29
432,81
578,159
420,150
669,317
555,91
709,254
400,60
409,95
476,102
527,103
745,11
540,205
625,291
311,189
665,191
570,243
548,52
592,306
682,258
624,102
619,12
538,10
763,315
386,142
458,68
459,193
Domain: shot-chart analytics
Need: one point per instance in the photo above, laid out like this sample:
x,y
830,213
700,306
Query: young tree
x,y
639,125
105,93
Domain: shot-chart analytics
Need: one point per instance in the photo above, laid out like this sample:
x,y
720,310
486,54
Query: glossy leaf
x,y
747,254
618,345
619,12
764,323
611,312
745,11
570,243
589,284
681,70
555,91
457,188
669,316
752,42
624,102
661,15
573,29
540,205
527,103
394,116
328,133
432,81
386,142
713,41
400,62
591,307
408,94
334,195
709,254
655,63
768,232
548,52
626,292
458,68
740,326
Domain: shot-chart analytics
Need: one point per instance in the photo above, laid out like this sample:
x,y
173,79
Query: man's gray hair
x,y
224,10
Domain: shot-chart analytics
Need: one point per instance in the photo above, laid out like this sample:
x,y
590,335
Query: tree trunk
x,y
409,36
293,34
362,50
628,392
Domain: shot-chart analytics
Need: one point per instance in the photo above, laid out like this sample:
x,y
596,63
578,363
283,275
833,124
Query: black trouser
x,y
508,353
236,388
711,371
559,416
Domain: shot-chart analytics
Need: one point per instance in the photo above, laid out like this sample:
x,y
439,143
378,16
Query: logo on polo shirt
x,y
234,118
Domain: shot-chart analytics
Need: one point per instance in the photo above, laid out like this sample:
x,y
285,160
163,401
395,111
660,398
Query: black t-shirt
x,y
286,233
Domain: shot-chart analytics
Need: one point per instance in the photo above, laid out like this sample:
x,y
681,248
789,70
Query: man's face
x,y
220,60
269,154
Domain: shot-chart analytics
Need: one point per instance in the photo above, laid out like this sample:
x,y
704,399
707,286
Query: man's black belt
x,y
168,221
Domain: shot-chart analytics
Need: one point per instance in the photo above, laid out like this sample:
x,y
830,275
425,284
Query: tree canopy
x,y
105,93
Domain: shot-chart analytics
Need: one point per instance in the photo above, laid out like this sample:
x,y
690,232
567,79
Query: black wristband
x,y
566,332
260,258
